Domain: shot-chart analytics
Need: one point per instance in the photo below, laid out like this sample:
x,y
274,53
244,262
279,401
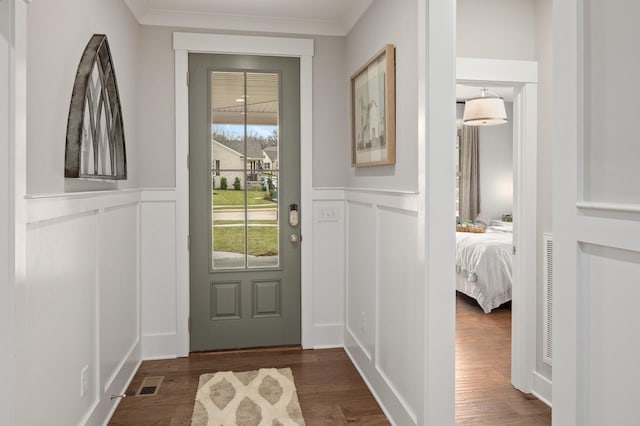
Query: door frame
x,y
523,77
183,44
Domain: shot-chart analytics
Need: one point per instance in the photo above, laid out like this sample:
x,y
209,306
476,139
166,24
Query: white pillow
x,y
483,219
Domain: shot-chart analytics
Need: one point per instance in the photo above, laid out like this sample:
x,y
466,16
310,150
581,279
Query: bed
x,y
484,265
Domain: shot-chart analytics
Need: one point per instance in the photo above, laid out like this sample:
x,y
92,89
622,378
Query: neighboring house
x,y
228,161
270,159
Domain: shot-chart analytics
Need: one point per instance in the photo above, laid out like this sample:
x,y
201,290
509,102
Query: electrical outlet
x,y
84,381
363,322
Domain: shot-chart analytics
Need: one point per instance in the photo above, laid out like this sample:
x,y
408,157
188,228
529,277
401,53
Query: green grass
x,y
241,222
228,198
263,241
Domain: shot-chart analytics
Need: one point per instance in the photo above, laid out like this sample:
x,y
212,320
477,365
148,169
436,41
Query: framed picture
x,y
373,111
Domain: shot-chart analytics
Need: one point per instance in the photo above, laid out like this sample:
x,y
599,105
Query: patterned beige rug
x,y
251,398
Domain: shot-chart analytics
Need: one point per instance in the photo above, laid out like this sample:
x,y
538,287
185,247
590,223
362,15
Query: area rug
x,y
251,398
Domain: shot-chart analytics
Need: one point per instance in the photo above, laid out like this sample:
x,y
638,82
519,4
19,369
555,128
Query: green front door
x,y
244,178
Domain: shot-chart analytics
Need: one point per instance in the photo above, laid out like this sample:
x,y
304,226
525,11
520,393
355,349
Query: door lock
x,y
294,216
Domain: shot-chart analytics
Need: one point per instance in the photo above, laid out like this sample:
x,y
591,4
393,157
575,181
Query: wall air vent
x,y
547,298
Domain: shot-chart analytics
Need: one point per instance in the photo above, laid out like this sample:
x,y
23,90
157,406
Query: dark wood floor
x,y
332,393
329,388
484,394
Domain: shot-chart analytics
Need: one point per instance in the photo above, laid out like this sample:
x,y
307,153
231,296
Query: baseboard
x,y
382,391
117,401
159,346
105,407
328,336
542,388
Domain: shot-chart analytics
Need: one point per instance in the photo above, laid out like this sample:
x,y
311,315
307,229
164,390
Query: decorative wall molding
x,y
609,207
62,225
371,302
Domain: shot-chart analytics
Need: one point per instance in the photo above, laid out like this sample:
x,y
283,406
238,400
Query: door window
x,y
244,162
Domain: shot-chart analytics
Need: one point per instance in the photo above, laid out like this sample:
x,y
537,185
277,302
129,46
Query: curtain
x,y
469,173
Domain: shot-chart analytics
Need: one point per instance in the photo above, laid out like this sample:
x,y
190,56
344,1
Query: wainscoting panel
x,y
119,298
362,264
400,296
78,307
384,292
608,293
158,274
328,269
56,318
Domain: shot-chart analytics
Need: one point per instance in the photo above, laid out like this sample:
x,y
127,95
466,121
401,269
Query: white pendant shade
x,y
486,110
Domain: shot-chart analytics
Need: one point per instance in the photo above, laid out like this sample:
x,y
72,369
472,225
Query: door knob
x,y
293,238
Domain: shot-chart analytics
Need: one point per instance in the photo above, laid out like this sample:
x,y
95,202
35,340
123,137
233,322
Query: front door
x,y
244,178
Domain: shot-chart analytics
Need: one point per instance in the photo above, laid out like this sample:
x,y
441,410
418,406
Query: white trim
x,y
609,207
339,26
14,132
542,388
235,44
242,45
222,22
496,70
568,92
522,76
436,173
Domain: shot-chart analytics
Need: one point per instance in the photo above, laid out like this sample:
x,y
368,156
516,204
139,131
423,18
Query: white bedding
x,y
483,266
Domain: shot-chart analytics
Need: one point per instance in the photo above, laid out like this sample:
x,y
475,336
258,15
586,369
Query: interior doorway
x,y
521,77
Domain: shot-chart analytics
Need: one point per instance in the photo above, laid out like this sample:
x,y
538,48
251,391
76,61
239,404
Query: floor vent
x,y
150,386
547,298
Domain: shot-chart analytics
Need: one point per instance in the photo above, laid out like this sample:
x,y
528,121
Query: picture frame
x,y
373,111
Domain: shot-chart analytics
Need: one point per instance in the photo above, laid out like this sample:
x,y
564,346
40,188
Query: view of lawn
x,y
228,198
263,240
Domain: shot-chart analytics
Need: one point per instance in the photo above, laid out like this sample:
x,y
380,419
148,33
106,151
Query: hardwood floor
x,y
329,388
484,394
332,393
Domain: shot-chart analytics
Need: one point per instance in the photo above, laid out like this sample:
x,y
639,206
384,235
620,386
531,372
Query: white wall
x,y
58,34
331,152
596,213
496,167
544,56
396,23
78,295
156,117
496,29
610,104
384,310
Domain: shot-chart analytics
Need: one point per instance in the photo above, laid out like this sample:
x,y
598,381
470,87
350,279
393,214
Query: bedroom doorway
x,y
521,78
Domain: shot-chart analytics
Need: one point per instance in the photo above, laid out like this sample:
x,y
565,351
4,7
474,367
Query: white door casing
x,y
183,44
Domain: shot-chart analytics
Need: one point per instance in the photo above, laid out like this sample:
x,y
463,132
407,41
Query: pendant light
x,y
486,110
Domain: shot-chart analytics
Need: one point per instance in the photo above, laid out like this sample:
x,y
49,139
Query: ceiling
x,y
318,17
229,92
